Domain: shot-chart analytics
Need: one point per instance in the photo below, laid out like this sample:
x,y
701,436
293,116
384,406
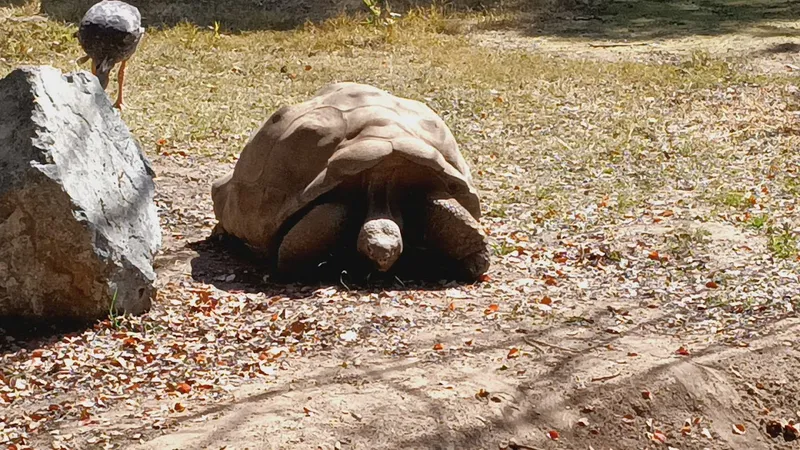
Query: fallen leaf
x,y
774,428
647,395
683,351
451,306
183,388
438,347
660,437
179,407
493,308
482,394
712,285
350,336
739,429
628,418
513,353
790,432
546,300
553,434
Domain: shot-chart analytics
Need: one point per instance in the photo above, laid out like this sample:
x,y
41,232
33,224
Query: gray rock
x,y
78,225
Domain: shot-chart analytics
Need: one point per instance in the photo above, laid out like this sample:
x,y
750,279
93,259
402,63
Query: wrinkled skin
x,y
381,241
380,238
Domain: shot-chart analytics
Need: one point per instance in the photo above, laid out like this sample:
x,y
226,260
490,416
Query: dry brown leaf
x,y
482,394
774,428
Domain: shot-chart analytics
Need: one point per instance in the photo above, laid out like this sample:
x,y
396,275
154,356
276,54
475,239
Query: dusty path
x,y
597,354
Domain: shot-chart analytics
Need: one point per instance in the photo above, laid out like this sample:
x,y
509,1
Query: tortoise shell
x,y
306,150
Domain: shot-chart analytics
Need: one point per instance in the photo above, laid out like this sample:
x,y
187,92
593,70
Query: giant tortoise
x,y
360,173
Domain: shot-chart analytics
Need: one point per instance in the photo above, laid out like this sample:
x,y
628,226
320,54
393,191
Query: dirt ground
x,y
578,339
621,374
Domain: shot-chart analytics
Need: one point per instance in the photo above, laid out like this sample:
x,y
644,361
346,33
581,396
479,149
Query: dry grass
x,y
540,127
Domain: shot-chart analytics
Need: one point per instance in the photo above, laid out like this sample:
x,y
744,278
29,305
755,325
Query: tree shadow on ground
x,y
631,20
642,20
241,15
524,409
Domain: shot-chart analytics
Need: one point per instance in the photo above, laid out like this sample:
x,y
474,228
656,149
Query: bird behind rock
x,y
109,33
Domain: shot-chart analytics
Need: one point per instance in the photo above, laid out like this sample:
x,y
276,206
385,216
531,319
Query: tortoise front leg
x,y
312,239
452,231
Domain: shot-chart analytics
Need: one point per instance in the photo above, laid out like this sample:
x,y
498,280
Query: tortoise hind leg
x,y
311,240
453,232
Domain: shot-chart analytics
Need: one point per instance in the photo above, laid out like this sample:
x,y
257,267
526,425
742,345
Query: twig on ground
x,y
535,343
619,44
607,377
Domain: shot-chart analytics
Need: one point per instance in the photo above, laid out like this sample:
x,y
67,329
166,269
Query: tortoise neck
x,y
381,200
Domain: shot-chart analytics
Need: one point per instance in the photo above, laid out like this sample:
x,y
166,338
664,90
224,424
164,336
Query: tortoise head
x,y
381,241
